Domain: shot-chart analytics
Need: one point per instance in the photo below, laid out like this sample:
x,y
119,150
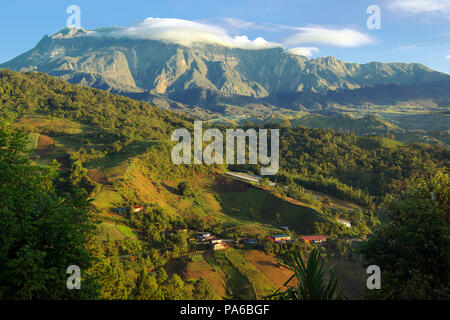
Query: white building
x,y
347,223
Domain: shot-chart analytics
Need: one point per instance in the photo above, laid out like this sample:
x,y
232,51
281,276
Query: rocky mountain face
x,y
220,79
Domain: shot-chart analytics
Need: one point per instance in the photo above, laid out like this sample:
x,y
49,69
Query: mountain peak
x,y
68,33
213,76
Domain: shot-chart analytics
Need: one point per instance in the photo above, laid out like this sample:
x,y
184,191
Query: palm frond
x,y
314,281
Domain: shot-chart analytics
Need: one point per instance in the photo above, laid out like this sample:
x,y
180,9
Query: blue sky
x,y
411,30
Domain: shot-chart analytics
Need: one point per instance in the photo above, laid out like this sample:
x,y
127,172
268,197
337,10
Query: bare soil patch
x,y
145,188
197,270
46,146
45,142
225,184
268,265
97,175
352,278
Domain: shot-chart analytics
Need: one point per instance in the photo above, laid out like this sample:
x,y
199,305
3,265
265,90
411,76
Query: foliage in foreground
x,y
315,282
413,250
42,232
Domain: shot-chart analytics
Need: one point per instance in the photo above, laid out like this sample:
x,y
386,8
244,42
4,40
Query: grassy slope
x,y
200,268
249,209
238,284
260,284
260,205
230,274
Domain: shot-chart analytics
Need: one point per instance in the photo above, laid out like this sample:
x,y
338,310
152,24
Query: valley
x,y
149,211
220,158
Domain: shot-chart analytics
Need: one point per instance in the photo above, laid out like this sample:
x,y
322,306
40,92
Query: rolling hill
x,y
118,150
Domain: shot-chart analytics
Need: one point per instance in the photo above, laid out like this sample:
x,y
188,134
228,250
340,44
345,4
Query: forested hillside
x,y
149,212
114,115
377,166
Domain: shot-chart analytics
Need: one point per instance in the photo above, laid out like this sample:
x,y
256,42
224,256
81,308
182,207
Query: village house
x,y
250,241
205,236
121,210
248,177
137,209
244,176
280,238
216,240
346,223
313,239
218,246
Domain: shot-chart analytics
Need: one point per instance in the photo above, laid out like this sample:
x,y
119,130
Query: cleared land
x,y
109,231
261,205
261,285
352,278
97,175
238,286
45,142
199,268
48,125
233,274
268,265
107,199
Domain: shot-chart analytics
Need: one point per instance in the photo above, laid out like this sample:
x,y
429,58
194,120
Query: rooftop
x,y
309,238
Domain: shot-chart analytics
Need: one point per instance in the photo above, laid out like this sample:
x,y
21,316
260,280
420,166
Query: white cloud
x,y
335,37
420,6
448,57
190,33
303,51
239,24
186,33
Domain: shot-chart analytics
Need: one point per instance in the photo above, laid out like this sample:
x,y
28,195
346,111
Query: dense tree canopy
x,y
42,232
203,290
122,117
44,225
360,169
413,250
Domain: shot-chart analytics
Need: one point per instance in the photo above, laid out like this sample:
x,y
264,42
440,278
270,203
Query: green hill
x,y
118,151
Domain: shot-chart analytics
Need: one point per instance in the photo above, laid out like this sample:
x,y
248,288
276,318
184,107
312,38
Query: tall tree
x,y
413,249
173,288
147,287
203,290
42,232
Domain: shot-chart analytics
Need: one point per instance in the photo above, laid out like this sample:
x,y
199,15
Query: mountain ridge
x,y
213,76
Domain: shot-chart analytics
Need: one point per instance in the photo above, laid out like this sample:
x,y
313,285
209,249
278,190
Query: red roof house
x,y
216,246
314,239
281,238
